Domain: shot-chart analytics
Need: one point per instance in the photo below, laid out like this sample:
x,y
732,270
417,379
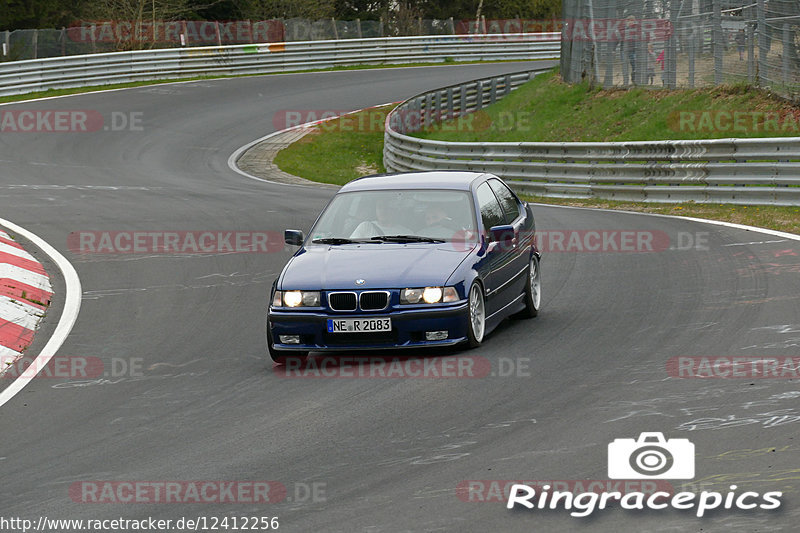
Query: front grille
x,y
342,301
374,301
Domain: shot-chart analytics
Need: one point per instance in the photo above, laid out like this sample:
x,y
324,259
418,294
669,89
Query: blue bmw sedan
x,y
407,260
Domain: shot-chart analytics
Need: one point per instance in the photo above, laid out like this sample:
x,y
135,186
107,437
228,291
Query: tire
x,y
533,290
280,356
476,323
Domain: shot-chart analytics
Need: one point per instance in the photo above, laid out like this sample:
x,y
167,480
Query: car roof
x,y
441,179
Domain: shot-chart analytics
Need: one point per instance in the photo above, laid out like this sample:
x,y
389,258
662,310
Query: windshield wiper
x,y
405,238
334,240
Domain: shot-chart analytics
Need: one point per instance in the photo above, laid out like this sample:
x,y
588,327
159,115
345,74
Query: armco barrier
x,y
20,77
743,171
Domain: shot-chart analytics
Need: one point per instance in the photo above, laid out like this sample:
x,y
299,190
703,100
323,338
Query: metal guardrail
x,y
20,77
743,171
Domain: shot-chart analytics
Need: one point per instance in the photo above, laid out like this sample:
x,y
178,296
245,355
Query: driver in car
x,y
386,222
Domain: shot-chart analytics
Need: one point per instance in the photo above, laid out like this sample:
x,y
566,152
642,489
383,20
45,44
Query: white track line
x,y
234,157
733,225
69,315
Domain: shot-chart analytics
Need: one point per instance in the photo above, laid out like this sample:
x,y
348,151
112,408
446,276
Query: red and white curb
x,y
20,275
25,293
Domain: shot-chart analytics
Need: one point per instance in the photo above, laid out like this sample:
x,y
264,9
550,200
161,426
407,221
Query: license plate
x,y
359,325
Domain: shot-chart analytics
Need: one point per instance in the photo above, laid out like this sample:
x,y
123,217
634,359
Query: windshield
x,y
413,215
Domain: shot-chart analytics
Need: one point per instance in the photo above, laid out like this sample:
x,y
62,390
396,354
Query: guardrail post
x,y
63,39
462,100
787,44
7,45
335,31
506,85
216,30
358,28
692,52
478,95
671,68
717,38
450,103
751,54
35,43
493,91
428,106
451,26
437,106
762,44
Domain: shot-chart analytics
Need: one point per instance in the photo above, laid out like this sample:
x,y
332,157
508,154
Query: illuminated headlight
x,y
296,299
429,295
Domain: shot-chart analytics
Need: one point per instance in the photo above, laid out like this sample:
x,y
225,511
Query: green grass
x,y
340,150
548,110
95,88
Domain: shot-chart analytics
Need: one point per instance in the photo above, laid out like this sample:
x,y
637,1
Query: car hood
x,y
381,266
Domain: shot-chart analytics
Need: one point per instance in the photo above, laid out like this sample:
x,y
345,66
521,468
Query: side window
x,y
507,200
491,212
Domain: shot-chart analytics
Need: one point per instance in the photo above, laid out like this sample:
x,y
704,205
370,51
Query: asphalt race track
x,y
373,454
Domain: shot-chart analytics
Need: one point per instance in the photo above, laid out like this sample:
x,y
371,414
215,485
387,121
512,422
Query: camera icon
x,y
651,457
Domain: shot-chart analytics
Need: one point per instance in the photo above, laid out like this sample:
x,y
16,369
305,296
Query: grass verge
x,y
580,113
339,150
349,147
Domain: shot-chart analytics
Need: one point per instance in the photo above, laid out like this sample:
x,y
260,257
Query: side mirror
x,y
502,234
293,237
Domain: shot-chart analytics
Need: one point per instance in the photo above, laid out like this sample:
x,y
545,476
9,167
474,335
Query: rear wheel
x,y
477,315
533,290
281,356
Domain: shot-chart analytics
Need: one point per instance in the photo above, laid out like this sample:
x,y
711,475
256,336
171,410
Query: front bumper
x,y
408,328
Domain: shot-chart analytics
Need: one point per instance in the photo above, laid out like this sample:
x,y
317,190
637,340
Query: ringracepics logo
x,y
650,456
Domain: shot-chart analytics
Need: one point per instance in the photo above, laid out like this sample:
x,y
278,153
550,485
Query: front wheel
x,y
477,315
280,356
533,290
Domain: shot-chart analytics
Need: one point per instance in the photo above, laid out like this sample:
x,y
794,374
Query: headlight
x,y
432,295
296,299
429,295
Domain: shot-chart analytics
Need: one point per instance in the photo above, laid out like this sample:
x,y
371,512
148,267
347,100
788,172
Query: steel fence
x,y
683,43
745,171
101,36
20,77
